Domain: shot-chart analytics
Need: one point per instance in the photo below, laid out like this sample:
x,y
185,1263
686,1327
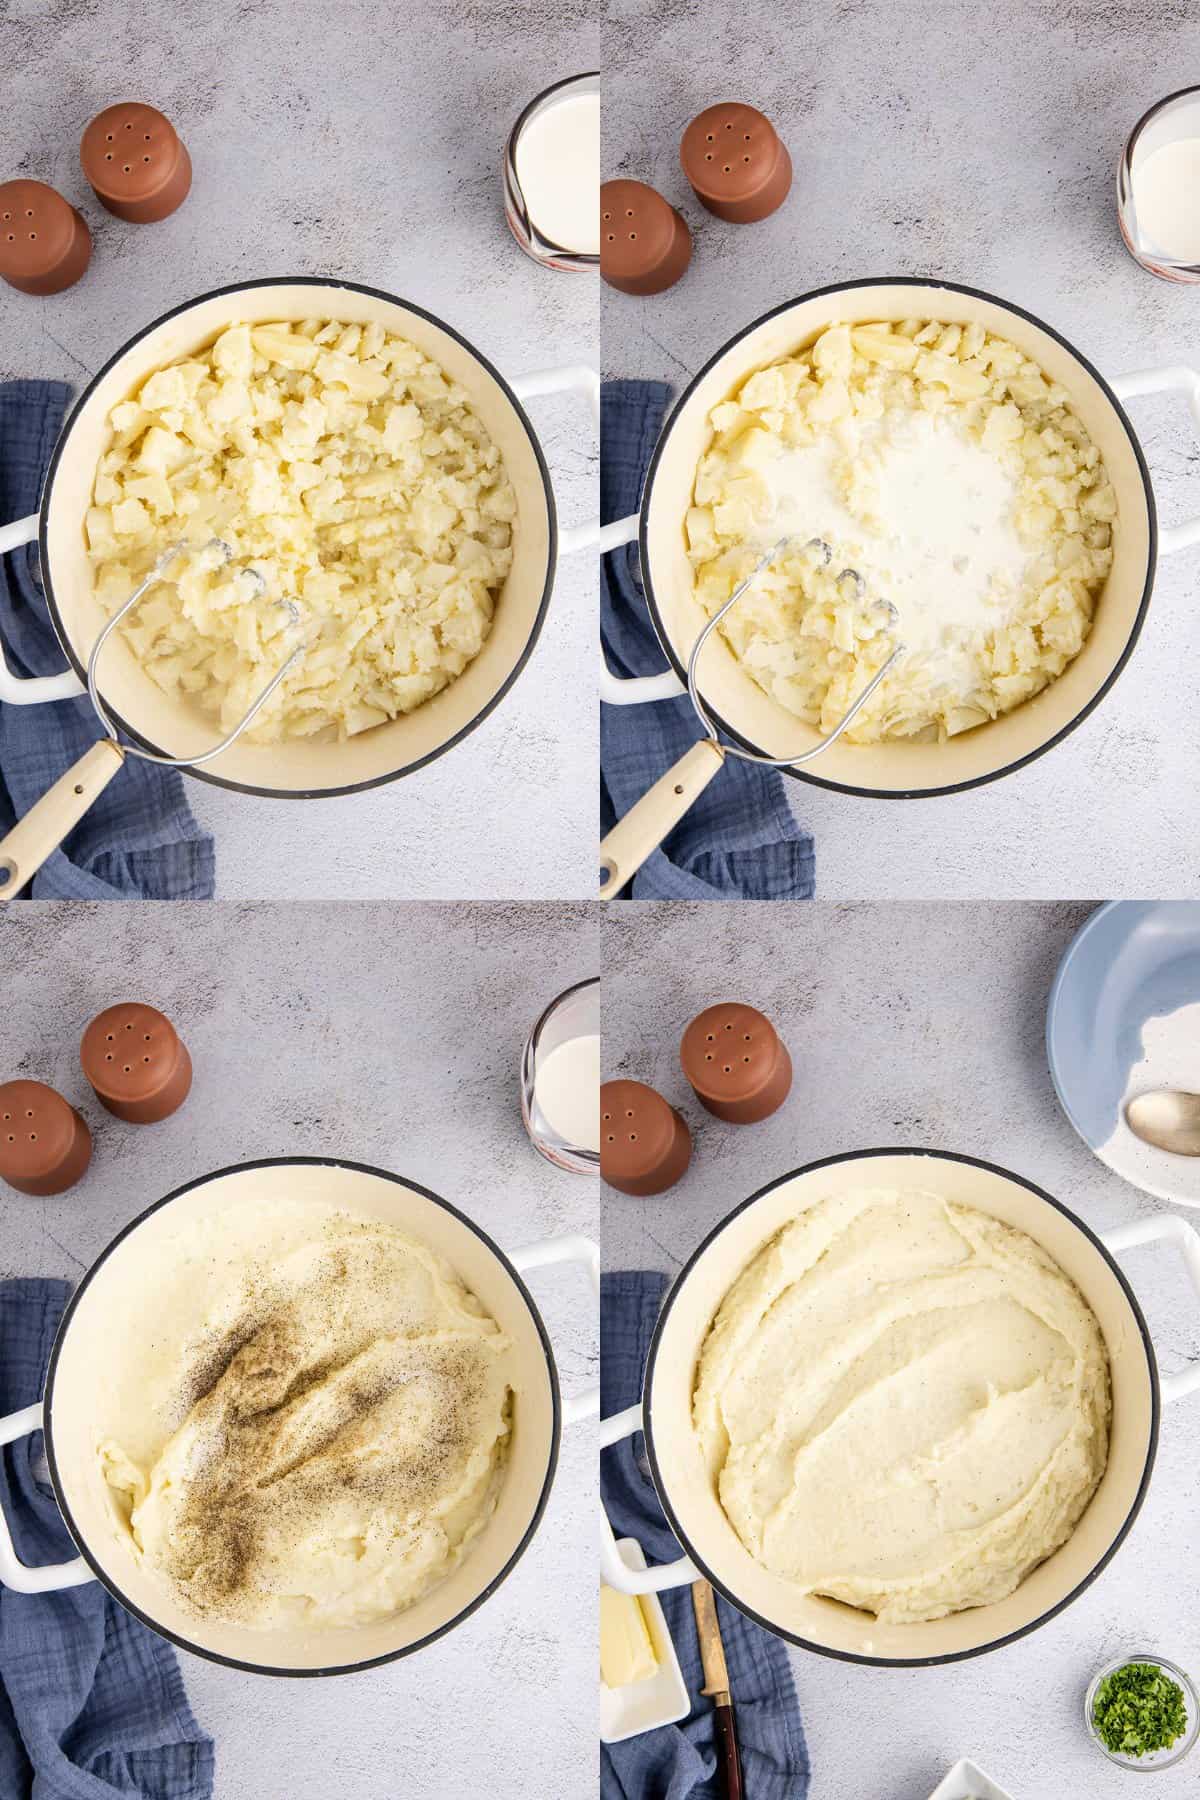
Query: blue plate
x,y
1133,962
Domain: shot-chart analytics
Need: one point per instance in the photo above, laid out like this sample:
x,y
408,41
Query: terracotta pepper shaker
x,y
645,1145
45,244
45,1145
134,1059
135,162
735,162
735,1062
645,244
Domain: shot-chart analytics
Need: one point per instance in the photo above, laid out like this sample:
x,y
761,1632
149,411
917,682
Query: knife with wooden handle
x,y
716,1685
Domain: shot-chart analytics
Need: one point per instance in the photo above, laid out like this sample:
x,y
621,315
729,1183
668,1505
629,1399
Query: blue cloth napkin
x,y
92,1704
679,1762
739,841
139,841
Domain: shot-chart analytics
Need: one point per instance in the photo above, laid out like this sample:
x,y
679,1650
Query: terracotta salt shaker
x,y
735,162
133,1057
45,245
645,245
645,1146
135,162
735,1062
45,1146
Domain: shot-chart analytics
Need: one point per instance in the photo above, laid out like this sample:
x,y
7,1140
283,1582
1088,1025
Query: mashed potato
x,y
903,1404
327,1440
345,470
939,491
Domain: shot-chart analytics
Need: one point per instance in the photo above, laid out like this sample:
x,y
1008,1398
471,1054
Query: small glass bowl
x,y
572,1014
1177,116
1158,1759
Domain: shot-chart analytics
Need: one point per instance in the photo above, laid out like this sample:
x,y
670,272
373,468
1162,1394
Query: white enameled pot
x,y
713,1549
79,1400
169,726
739,707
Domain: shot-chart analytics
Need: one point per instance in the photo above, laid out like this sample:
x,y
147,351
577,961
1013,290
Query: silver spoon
x,y
1168,1118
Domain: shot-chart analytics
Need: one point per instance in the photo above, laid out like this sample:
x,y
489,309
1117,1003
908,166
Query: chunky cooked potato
x,y
346,469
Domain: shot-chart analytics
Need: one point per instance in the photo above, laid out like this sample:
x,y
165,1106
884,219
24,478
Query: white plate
x,y
643,1705
1124,1016
968,1782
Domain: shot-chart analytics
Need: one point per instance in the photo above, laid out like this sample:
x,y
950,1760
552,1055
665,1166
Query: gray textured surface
x,y
977,143
918,1026
393,1036
365,143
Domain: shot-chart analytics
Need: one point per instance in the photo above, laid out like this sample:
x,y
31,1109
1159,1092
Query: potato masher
x,y
643,828
60,809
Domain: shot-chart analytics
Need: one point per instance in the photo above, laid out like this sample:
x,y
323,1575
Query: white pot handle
x,y
1172,1229
14,1573
543,1255
616,1572
31,690
632,690
576,377
1174,378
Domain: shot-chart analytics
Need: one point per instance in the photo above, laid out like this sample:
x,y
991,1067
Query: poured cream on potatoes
x,y
937,491
346,471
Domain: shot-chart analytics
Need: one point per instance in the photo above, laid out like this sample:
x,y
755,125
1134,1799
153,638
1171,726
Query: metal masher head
x,y
216,553
823,551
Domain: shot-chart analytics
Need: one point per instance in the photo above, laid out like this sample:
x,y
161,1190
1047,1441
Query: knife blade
x,y
716,1685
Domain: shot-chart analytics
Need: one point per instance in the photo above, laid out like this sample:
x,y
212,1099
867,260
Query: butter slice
x,y
626,1652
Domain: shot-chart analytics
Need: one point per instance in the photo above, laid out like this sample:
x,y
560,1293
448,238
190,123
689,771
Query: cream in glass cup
x,y
1158,188
560,1080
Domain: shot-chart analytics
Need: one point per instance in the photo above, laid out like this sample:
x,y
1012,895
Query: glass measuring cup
x,y
516,207
571,1019
1167,122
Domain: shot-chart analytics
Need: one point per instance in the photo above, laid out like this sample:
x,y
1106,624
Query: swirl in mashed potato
x,y
903,1404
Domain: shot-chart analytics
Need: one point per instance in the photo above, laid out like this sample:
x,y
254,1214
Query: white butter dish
x,y
968,1782
643,1705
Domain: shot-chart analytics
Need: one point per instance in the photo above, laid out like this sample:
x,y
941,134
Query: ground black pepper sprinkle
x,y
304,1414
